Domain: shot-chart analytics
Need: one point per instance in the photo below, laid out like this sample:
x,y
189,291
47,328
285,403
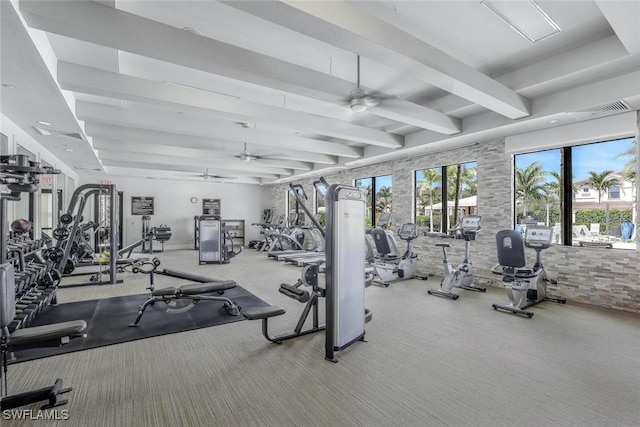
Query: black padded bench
x,y
56,334
194,292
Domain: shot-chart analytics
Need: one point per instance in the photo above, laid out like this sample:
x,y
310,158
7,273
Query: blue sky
x,y
591,157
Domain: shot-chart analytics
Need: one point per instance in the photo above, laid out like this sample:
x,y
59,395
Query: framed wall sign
x,y
141,205
210,206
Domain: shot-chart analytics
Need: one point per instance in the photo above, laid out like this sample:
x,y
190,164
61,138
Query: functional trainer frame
x,y
345,278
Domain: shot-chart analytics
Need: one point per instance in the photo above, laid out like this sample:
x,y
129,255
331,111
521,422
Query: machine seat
x,y
263,312
39,334
165,292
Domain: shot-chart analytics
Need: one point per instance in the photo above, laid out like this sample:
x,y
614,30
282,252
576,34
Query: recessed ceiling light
x,y
554,121
192,30
8,86
42,122
69,150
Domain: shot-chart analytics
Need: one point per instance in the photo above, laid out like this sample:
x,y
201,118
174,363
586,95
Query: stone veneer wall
x,y
603,277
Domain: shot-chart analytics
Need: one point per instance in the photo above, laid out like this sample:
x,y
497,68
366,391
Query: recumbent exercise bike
x,y
525,286
389,266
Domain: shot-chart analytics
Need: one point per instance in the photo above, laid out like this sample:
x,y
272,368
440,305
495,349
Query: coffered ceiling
x,y
265,91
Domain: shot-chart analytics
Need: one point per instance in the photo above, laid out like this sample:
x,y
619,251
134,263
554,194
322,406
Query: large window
x,y
378,195
585,192
538,189
452,189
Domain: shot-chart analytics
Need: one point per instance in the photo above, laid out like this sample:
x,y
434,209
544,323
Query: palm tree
x,y
368,198
461,182
629,171
630,167
602,182
428,186
383,199
551,192
470,182
529,184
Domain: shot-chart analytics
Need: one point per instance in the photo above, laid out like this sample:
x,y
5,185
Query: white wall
x,y
172,206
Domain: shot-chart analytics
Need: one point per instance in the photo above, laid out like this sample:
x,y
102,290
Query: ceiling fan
x,y
245,156
206,175
359,99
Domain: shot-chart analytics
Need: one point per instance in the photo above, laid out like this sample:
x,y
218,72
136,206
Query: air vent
x,y
601,110
59,133
615,107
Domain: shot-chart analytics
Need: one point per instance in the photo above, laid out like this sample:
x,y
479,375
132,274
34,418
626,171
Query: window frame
x,y
374,213
568,190
444,191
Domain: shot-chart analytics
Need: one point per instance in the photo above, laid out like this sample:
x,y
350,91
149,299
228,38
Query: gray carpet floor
x,y
428,361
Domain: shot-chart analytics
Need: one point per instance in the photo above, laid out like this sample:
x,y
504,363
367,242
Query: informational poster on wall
x,y
211,207
141,205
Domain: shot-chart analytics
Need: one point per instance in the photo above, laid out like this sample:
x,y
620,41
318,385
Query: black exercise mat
x,y
108,320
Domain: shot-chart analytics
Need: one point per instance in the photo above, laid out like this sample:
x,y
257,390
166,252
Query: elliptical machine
x,y
463,276
525,286
388,265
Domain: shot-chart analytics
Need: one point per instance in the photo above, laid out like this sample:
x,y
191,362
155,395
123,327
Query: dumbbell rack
x,y
36,280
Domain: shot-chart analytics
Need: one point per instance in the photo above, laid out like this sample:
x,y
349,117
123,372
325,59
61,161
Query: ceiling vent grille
x,y
59,133
615,107
601,110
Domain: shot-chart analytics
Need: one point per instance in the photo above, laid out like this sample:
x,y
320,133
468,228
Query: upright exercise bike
x,y
463,276
525,286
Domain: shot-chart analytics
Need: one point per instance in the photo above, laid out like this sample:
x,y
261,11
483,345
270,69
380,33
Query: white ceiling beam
x,y
189,164
93,81
123,133
164,120
341,24
551,74
624,18
92,22
137,148
489,125
160,175
123,166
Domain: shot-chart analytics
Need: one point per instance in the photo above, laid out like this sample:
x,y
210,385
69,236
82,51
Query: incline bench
x,y
194,292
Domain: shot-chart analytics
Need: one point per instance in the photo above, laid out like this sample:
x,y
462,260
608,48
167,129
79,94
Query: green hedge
x,y
423,221
592,216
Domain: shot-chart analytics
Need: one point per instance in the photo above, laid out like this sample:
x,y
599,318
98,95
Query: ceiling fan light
x,y
358,105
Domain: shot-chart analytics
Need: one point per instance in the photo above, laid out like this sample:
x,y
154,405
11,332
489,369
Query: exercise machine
x,y
309,278
213,241
345,279
389,266
160,233
70,230
265,222
174,298
462,276
525,286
